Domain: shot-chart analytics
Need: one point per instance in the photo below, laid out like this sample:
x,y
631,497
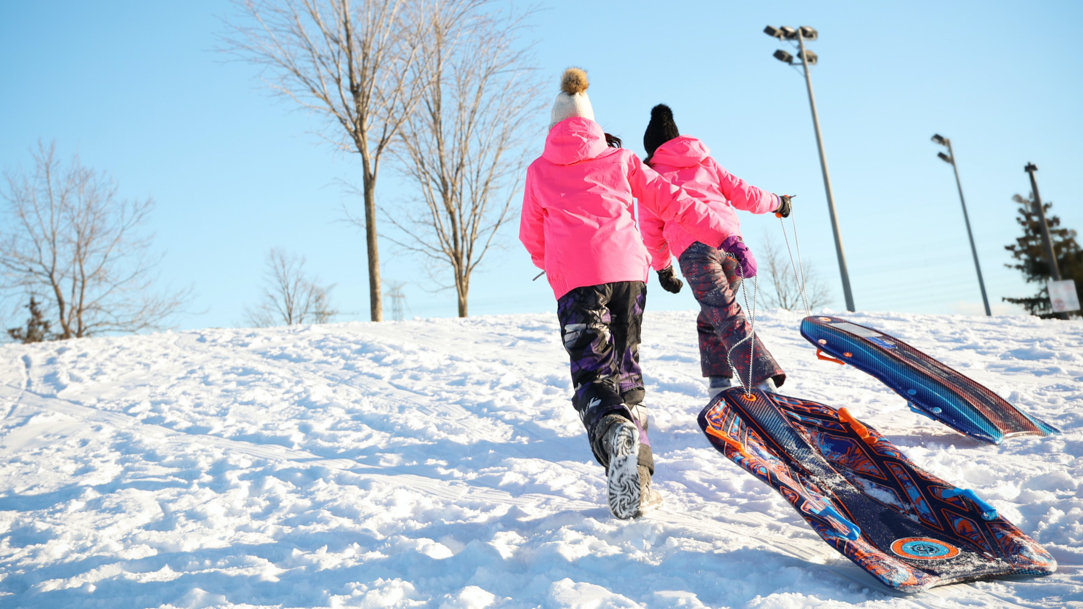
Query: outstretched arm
x,y
743,195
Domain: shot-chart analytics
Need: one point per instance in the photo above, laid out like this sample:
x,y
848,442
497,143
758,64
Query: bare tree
x,y
67,235
290,297
463,144
787,285
355,63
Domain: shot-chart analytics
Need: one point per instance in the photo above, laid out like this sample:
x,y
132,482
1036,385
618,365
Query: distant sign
x,y
1063,296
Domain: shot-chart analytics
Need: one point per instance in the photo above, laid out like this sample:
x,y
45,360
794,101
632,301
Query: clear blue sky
x,y
138,91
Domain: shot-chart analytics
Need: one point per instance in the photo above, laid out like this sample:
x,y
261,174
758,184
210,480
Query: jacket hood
x,y
573,140
681,151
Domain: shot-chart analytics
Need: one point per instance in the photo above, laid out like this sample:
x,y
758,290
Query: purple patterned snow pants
x,y
600,328
713,278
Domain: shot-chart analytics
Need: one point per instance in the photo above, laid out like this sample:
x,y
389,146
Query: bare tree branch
x,y
71,240
290,297
354,62
788,286
463,146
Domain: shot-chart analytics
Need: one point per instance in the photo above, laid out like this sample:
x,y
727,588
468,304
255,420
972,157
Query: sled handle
x,y
827,358
858,427
734,444
988,512
828,511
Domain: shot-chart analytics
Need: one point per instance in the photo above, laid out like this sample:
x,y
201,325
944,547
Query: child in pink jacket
x,y
578,223
726,339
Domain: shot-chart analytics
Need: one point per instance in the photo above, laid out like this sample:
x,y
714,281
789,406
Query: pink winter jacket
x,y
578,220
686,162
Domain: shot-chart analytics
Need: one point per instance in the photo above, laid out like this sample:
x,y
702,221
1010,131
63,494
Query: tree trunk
x,y
462,290
375,302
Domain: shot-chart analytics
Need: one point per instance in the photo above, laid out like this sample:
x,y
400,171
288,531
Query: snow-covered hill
x,y
438,463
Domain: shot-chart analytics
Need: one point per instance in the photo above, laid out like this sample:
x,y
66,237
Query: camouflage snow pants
x,y
722,326
600,327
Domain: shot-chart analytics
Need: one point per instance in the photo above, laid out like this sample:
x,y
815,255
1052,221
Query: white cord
x,y
751,328
798,267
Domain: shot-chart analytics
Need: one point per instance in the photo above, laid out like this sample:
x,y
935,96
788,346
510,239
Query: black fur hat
x,y
660,129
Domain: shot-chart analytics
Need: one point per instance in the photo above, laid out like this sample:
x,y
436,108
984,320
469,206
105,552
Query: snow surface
x,y
438,463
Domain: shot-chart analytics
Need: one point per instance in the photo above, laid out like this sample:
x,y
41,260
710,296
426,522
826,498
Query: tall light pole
x,y
1047,242
808,58
950,159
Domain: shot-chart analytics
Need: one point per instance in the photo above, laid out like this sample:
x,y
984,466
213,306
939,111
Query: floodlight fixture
x,y
809,57
783,56
947,157
789,33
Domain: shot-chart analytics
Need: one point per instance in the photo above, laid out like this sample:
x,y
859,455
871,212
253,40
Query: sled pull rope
x,y
751,329
798,266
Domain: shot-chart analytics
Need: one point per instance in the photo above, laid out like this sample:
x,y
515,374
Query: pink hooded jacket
x,y
578,220
686,162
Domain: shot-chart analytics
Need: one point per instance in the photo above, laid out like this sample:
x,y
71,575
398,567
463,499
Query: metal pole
x,y
847,294
966,219
1047,242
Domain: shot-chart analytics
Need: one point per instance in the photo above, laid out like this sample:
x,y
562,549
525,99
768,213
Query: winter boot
x,y
648,497
716,384
768,386
620,441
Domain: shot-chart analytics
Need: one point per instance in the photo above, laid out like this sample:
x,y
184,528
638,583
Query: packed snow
x,y
438,463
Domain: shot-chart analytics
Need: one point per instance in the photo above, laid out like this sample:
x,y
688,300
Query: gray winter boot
x,y
648,497
716,384
768,386
620,440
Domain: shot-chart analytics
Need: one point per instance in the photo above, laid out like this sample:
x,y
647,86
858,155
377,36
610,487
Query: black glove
x,y
784,206
669,281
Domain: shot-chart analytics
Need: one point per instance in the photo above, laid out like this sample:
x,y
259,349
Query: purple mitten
x,y
735,246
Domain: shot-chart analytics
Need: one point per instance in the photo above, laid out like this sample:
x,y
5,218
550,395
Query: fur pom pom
x,y
572,101
574,81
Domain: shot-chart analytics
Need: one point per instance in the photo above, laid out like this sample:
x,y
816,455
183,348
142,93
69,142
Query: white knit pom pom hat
x,y
572,99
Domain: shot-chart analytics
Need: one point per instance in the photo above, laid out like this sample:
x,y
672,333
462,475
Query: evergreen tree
x,y
1030,256
37,328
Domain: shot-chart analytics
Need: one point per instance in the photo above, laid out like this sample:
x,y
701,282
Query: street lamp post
x,y
950,159
808,58
1047,242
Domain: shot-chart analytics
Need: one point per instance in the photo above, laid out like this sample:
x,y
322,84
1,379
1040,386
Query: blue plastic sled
x,y
930,387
